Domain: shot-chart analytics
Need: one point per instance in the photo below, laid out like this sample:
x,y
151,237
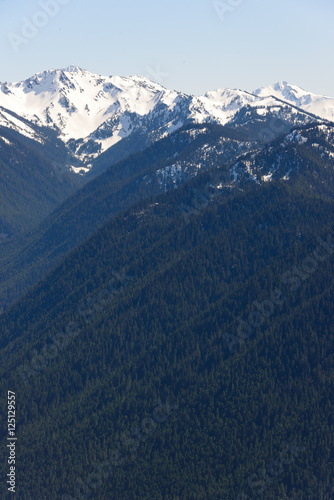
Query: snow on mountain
x,y
79,102
319,105
9,120
222,104
93,113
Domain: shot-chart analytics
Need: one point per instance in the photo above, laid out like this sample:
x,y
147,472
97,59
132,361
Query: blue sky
x,y
192,46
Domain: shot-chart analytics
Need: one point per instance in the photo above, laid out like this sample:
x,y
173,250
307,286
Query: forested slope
x,y
197,361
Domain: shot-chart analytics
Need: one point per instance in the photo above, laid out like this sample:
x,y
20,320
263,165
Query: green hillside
x,y
33,181
28,257
144,369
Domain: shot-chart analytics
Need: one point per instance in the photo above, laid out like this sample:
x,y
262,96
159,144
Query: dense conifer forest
x,y
185,350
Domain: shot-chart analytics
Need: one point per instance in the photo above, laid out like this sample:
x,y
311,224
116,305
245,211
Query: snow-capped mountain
x,y
319,105
93,114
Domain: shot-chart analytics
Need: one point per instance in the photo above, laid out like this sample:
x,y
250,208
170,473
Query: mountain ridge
x,y
302,98
94,113
232,161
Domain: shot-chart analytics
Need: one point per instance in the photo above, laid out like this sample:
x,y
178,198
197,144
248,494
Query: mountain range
x,y
61,128
166,290
93,114
48,206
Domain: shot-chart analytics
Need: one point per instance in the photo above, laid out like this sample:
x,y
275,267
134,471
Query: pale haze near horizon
x,y
190,46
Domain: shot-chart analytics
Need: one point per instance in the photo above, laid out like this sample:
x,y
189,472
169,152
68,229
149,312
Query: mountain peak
x,y
282,84
319,105
73,69
277,89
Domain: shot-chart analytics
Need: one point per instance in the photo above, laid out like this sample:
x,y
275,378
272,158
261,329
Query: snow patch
x,y
6,141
